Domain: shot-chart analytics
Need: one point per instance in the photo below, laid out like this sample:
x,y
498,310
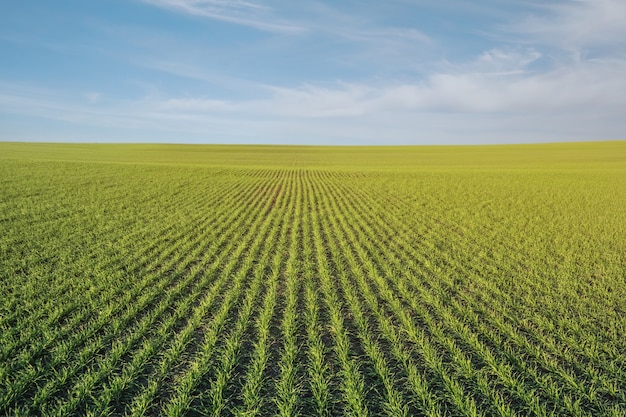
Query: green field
x,y
266,280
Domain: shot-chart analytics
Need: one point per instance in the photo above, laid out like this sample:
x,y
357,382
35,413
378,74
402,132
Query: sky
x,y
393,72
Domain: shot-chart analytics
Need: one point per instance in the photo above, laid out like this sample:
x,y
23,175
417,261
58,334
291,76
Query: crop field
x,y
188,280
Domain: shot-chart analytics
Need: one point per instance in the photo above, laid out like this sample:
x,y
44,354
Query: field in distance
x,y
188,280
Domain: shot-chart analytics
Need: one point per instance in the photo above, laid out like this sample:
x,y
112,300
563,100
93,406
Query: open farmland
x,y
246,280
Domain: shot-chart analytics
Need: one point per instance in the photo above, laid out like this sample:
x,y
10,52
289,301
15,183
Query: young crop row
x,y
178,290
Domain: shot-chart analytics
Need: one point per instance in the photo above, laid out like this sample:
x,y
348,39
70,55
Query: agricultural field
x,y
189,280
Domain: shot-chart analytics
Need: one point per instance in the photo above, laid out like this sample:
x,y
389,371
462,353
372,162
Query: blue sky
x,y
313,72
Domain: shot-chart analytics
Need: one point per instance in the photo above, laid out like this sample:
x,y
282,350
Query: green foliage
x,y
254,281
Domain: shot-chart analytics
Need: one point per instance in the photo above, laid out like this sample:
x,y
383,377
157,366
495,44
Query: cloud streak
x,y
497,81
233,11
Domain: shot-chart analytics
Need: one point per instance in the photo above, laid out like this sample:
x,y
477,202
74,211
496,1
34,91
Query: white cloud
x,y
589,85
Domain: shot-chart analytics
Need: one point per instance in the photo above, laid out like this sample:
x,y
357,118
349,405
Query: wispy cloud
x,y
234,11
503,61
312,18
194,105
351,77
450,108
574,24
93,96
496,81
